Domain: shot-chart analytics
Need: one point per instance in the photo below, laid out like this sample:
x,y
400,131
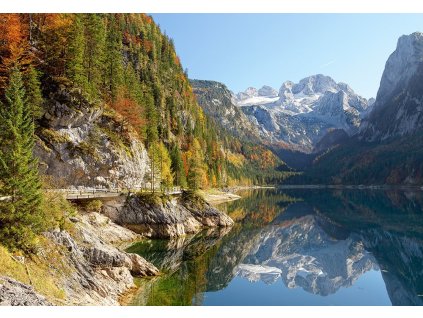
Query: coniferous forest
x,y
124,66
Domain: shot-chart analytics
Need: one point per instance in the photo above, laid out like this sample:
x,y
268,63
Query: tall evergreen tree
x,y
20,215
113,58
166,176
34,96
178,167
75,65
94,52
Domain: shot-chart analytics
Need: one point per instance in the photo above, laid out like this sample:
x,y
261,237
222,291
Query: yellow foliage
x,y
236,159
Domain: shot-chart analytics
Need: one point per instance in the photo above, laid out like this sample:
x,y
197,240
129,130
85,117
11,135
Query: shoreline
x,y
218,196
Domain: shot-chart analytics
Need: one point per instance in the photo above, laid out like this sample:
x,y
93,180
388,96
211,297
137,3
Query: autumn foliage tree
x,y
130,111
14,45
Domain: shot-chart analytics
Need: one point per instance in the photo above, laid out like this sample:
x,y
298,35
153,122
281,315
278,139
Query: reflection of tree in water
x,y
351,223
184,262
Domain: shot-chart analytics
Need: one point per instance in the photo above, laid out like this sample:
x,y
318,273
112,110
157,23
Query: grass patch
x,y
53,136
40,272
194,198
155,198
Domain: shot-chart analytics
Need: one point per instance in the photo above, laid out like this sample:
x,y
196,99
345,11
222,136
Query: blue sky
x,y
243,50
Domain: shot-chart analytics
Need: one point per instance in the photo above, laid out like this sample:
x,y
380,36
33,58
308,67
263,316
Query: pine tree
x,y
94,52
75,65
113,58
153,154
20,215
152,121
178,167
33,93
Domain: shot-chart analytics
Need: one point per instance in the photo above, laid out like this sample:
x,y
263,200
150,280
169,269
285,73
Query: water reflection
x,y
311,245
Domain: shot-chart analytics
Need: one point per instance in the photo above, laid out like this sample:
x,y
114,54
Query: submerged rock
x,y
14,293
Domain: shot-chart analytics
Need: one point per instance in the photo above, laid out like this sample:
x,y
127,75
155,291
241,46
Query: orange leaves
x,y
176,60
264,157
129,38
14,44
129,110
147,18
267,159
148,45
57,21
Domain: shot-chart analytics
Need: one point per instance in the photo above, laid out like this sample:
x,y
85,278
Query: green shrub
x,y
94,206
153,198
57,211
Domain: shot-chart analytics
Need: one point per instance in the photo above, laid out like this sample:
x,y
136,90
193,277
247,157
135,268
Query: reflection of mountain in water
x,y
307,257
320,244
401,261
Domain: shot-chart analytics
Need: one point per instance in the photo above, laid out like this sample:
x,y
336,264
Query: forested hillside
x,y
249,159
121,75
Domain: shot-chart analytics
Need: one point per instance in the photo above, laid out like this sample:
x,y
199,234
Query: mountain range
x,y
301,114
326,129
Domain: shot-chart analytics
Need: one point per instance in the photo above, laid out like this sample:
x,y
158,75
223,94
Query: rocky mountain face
x,y
81,144
398,109
216,101
388,146
301,114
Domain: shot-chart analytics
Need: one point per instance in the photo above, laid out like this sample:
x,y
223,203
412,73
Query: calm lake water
x,y
296,247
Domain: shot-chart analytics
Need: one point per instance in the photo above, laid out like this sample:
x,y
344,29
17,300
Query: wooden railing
x,y
75,194
91,193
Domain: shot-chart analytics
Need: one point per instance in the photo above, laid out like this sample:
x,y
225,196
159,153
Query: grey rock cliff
x,y
81,145
401,65
398,109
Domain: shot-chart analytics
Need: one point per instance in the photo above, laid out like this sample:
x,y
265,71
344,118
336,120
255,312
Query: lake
x,y
296,247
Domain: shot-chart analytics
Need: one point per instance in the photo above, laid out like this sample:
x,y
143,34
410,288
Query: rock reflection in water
x,y
318,241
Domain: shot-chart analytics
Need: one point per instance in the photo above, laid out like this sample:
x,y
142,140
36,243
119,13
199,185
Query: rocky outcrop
x,y
14,293
205,213
398,109
98,272
84,145
106,230
216,101
158,217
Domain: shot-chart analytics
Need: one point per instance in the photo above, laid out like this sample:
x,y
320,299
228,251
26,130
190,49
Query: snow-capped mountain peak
x,y
267,91
301,113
